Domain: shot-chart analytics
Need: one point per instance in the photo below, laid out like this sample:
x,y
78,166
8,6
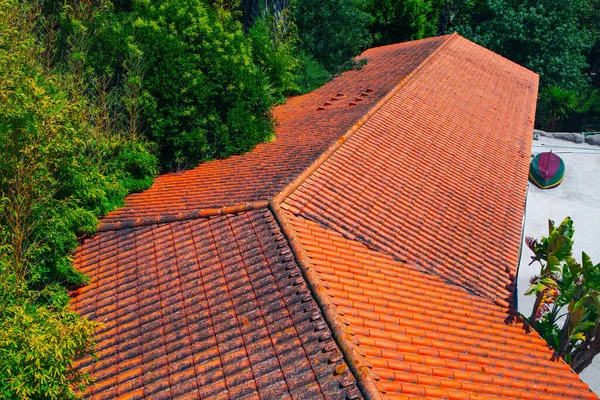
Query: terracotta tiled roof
x,y
303,132
213,307
427,338
208,286
438,175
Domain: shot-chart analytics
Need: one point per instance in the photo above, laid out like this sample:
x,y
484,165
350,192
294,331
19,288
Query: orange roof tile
x,y
438,175
421,155
214,307
302,134
424,337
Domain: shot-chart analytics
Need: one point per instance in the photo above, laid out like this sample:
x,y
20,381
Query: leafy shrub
x,y
310,75
203,96
273,50
39,342
275,47
565,288
133,166
556,105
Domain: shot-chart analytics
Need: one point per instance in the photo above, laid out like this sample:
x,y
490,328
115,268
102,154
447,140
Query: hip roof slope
x,y
438,175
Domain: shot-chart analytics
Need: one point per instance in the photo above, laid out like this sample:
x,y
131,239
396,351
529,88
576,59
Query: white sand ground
x,y
578,197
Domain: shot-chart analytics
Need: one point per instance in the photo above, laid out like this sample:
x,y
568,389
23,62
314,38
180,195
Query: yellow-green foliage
x,y
38,342
58,172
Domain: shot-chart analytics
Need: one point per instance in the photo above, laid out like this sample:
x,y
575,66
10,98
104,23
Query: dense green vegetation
x,y
333,31
399,21
553,38
59,170
203,97
99,96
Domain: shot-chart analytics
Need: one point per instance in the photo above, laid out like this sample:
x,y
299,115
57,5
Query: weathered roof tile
x,y
419,156
302,135
200,313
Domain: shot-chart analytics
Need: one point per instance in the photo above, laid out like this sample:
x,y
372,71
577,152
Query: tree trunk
x,y
536,306
584,355
565,339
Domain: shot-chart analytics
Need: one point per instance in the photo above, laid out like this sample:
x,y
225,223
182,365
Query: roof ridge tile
x,y
341,332
289,189
423,120
168,218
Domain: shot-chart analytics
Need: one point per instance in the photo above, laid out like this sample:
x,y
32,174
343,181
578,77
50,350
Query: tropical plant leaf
x,y
531,243
535,289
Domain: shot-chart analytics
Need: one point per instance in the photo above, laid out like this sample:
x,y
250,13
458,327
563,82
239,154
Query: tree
x,y
569,290
202,97
546,36
459,15
58,172
333,31
400,21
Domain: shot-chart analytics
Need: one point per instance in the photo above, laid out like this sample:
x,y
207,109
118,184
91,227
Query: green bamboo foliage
x,y
59,170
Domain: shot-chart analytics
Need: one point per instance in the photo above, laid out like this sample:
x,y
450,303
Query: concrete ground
x,y
578,197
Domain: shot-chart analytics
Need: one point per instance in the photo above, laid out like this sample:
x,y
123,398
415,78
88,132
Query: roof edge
x,y
162,219
286,191
342,337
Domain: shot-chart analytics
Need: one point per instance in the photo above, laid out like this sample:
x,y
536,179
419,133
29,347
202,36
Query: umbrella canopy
x,y
546,170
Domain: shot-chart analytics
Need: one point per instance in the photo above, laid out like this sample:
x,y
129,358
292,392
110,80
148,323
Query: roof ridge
x,y
341,334
337,367
303,176
327,196
167,218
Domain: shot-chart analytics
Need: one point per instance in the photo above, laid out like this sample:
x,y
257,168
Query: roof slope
x,y
214,307
302,134
426,338
438,175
